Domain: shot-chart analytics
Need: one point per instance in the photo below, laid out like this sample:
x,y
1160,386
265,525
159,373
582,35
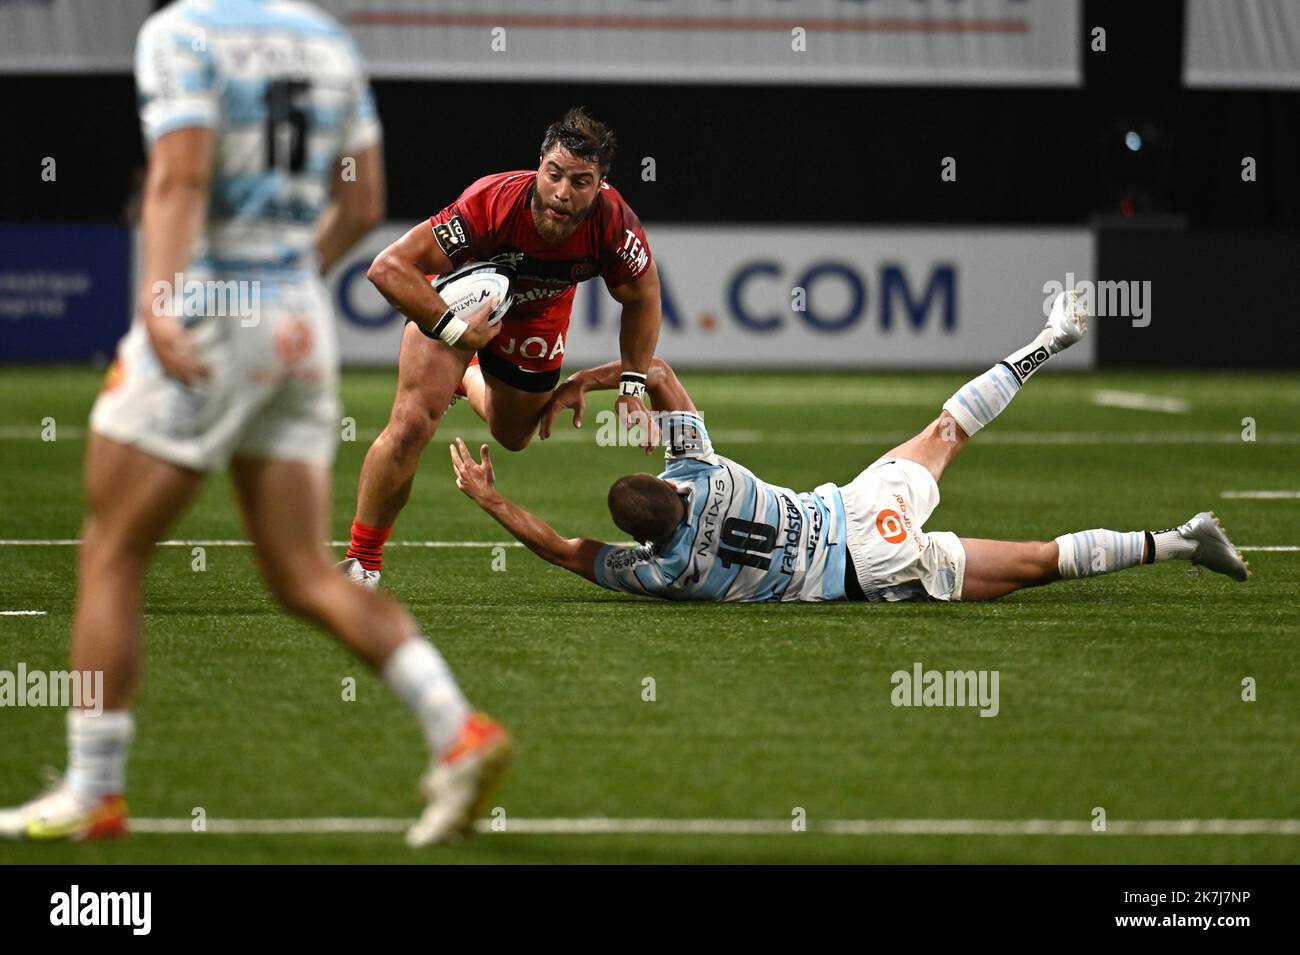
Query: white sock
x,y
97,750
1098,551
420,676
1170,545
982,399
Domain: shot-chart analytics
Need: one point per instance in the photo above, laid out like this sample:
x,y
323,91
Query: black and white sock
x,y
982,399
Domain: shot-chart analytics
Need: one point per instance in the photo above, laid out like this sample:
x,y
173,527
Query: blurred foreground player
x,y
557,225
249,108
712,530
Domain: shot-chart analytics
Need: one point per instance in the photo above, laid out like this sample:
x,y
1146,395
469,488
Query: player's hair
x,y
645,507
584,136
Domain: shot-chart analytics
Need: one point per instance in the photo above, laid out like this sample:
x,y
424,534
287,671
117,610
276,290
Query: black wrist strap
x,y
632,383
440,325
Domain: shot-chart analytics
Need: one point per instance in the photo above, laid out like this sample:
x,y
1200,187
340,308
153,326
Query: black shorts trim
x,y
534,382
852,586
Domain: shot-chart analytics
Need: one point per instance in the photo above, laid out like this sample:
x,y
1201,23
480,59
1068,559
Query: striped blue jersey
x,y
742,540
284,89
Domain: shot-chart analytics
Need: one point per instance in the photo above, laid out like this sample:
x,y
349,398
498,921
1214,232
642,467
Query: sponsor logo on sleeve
x,y
684,437
451,236
633,253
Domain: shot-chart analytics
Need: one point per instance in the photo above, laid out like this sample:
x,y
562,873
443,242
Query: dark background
x,y
1225,251
847,154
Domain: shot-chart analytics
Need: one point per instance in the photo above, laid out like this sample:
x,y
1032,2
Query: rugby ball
x,y
465,289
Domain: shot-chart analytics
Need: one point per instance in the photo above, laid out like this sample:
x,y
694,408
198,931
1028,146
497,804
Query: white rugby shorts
x,y
272,390
886,507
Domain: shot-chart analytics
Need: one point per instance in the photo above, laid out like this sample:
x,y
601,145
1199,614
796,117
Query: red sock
x,y
368,545
460,385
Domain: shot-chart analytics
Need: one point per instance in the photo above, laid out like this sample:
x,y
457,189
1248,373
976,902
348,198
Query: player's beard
x,y
554,231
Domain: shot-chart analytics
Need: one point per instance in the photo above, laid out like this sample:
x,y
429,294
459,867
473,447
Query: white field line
x,y
22,613
1137,401
746,827
1261,495
73,542
886,439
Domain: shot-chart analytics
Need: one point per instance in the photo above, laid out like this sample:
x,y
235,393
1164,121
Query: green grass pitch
x,y
1123,692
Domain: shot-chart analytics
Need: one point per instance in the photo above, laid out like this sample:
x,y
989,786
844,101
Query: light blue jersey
x,y
743,539
284,89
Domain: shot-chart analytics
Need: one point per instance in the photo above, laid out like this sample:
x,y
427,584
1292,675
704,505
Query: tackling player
x,y
249,109
712,530
557,225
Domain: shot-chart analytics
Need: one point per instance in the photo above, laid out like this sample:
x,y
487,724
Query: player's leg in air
x,y
511,414
511,411
513,400
995,568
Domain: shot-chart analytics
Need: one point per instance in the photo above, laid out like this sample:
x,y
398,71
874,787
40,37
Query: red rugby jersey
x,y
492,222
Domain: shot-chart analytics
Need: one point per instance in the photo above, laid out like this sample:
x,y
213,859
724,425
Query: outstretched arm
x,y
638,333
662,384
479,484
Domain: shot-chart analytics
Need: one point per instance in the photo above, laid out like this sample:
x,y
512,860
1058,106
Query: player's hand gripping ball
x,y
471,285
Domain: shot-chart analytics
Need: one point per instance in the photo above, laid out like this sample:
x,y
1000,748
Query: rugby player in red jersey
x,y
558,225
